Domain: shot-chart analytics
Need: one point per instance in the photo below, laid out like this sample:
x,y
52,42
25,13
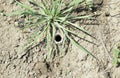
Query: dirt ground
x,y
15,63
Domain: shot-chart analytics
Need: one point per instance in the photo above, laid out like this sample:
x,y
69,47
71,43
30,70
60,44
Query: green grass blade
x,y
53,9
59,7
33,2
49,42
115,58
38,23
49,38
40,5
35,38
116,52
83,17
56,8
32,38
68,10
72,32
27,7
63,19
28,45
75,2
44,3
53,31
115,61
78,45
89,3
80,28
49,54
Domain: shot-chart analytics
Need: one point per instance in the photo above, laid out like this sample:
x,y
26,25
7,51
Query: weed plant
x,y
50,16
116,52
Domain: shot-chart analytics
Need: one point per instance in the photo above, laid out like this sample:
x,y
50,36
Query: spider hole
x,y
58,38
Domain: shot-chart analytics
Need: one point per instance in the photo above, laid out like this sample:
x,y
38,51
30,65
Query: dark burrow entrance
x,y
58,38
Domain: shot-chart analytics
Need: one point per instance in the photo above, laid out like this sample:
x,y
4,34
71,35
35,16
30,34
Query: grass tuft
x,y
50,17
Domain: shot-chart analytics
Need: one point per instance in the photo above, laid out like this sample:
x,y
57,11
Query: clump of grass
x,y
50,16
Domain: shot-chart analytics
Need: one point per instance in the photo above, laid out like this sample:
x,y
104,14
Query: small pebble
x,y
16,23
